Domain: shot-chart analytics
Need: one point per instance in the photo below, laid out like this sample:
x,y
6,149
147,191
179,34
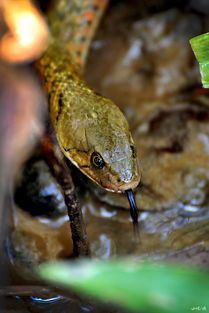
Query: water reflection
x,y
42,300
190,210
26,299
103,247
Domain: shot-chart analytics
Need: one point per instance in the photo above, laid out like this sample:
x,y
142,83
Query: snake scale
x,y
91,130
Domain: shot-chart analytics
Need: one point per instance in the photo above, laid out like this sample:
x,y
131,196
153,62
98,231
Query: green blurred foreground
x,y
200,46
135,286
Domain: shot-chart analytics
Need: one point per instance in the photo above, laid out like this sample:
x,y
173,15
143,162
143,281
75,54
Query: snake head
x,y
115,171
94,135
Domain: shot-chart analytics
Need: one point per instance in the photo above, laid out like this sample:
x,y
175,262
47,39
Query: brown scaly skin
x,y
87,123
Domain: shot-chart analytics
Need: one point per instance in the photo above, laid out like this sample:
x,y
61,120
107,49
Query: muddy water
x,y
144,63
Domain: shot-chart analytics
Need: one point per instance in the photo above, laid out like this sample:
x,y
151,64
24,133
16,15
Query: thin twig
x,y
61,172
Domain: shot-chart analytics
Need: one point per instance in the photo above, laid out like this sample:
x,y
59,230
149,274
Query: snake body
x,y
91,130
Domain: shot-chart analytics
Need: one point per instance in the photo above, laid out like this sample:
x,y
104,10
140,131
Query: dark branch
x,y
61,172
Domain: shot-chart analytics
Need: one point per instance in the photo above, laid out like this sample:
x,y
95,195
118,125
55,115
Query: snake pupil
x,y
97,160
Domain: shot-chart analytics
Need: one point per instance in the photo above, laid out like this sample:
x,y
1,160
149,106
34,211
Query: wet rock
x,y
145,60
39,193
195,255
37,240
162,235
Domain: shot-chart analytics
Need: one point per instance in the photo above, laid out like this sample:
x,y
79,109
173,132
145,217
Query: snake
x,y
91,130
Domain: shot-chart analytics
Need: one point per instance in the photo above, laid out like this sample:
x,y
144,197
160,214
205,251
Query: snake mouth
x,y
115,182
126,186
121,187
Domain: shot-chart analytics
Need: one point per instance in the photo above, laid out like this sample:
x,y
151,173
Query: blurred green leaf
x,y
136,286
200,46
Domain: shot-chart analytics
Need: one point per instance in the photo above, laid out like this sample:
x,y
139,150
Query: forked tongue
x,y
133,211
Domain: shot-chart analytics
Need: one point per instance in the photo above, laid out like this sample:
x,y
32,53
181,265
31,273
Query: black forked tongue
x,y
133,210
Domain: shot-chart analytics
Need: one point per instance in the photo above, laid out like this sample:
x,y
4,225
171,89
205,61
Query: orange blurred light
x,y
28,34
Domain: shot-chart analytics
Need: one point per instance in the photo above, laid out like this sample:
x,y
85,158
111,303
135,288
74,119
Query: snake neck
x,y
73,24
58,73
86,124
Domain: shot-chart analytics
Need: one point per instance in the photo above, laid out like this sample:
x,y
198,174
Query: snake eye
x,y
133,150
97,160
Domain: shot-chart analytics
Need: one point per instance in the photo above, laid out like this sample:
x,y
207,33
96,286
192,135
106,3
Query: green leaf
x,y
200,46
136,286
